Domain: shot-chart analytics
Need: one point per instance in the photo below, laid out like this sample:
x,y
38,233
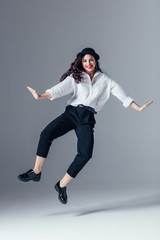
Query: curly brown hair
x,y
76,69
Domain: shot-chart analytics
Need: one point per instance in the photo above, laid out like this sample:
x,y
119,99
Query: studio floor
x,y
95,214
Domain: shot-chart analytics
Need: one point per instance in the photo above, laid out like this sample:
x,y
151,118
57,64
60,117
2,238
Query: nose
x,y
88,63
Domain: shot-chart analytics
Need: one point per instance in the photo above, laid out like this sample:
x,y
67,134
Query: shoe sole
x,y
27,180
58,195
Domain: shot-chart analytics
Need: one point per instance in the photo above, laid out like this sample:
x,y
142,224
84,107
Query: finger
x,y
146,105
29,88
149,103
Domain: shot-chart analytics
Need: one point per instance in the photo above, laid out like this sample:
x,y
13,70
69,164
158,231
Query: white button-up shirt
x,y
93,93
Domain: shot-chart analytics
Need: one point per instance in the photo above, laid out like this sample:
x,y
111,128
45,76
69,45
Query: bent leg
x,y
58,127
85,134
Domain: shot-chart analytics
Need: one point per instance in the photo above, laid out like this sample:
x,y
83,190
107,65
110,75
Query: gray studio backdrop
x,y
38,40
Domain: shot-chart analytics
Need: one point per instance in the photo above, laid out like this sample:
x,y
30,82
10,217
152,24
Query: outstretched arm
x,y
35,94
140,108
117,91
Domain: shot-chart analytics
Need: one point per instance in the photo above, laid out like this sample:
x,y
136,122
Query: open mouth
x,y
89,67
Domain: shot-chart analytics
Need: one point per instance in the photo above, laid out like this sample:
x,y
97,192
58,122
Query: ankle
x,y
61,184
36,171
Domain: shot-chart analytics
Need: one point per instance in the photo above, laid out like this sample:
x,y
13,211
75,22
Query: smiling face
x,y
88,63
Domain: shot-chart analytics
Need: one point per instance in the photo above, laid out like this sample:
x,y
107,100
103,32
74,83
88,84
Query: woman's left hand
x,y
144,106
138,108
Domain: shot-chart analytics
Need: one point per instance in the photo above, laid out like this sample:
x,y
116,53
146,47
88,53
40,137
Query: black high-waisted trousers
x,y
82,121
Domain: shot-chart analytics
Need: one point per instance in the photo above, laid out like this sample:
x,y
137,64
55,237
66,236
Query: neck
x,y
91,74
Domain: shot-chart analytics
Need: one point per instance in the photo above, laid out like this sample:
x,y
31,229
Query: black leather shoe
x,y
62,193
30,175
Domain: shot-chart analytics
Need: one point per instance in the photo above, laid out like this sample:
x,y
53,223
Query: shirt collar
x,y
86,74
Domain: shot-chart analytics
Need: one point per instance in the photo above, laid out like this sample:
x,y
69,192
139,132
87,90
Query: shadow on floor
x,y
126,204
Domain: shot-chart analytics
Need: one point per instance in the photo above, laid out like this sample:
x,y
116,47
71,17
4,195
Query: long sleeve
x,y
94,94
118,92
61,89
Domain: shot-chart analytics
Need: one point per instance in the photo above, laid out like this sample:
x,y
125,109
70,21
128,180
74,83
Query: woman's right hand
x,y
34,93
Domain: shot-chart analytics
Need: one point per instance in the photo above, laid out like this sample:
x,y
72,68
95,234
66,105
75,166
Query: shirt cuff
x,y
127,102
52,94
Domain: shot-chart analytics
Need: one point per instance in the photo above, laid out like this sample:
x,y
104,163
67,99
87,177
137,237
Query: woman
x,y
89,89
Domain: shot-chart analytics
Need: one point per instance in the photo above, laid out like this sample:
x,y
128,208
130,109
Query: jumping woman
x,y
89,90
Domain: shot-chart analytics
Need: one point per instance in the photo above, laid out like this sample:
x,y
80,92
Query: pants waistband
x,y
88,108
